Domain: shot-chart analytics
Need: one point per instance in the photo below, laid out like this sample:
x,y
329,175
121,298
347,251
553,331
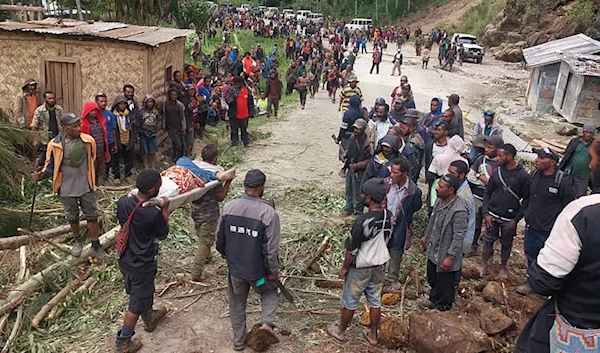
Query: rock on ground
x,y
491,320
437,332
393,333
261,340
389,299
493,292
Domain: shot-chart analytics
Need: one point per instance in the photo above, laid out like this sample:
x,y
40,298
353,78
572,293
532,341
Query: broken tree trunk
x,y
19,240
36,281
35,322
317,256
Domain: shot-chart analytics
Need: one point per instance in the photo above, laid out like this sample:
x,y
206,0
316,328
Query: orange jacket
x,y
54,158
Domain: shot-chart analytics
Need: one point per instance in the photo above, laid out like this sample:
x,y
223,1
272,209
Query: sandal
x,y
366,334
333,330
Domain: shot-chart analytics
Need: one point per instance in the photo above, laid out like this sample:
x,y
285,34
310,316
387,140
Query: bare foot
x,y
372,339
333,330
502,274
396,285
482,271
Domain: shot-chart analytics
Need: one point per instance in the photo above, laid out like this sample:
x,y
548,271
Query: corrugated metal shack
x,y
544,60
79,59
578,88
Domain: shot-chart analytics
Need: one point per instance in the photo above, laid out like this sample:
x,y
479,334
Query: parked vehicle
x,y
227,7
357,24
315,18
472,50
271,12
244,8
288,14
302,15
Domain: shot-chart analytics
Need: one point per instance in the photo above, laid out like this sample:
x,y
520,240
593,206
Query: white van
x,y
360,24
271,12
315,18
302,15
287,14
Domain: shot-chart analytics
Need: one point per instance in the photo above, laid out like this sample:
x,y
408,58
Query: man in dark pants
x,y
174,122
550,191
138,261
567,270
241,108
576,160
505,193
356,158
248,237
443,242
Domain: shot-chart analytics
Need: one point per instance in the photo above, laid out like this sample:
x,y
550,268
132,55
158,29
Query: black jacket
x,y
499,201
571,147
548,195
231,99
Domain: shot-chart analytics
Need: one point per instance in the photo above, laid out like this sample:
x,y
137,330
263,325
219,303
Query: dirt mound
x,y
437,16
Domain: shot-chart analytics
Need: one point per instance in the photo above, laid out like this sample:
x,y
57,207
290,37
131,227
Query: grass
x,y
477,17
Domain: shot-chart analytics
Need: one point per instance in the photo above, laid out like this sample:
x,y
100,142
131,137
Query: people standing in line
x,y
241,108
550,191
248,234
453,101
436,147
347,127
356,157
138,261
413,144
347,92
124,140
440,163
94,124
577,159
566,272
460,169
397,62
376,60
387,150
382,121
506,192
364,260
398,111
70,163
302,87
205,212
478,177
46,121
111,126
27,101
273,92
443,242
147,124
403,200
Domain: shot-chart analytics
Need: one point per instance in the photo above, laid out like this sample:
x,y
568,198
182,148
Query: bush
x,y
476,18
583,12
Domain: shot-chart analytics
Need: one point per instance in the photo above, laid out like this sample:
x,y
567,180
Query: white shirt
x,y
382,129
438,149
395,196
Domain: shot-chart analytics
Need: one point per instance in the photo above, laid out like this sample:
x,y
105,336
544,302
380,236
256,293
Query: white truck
x,y
302,15
272,12
244,8
472,50
288,14
359,24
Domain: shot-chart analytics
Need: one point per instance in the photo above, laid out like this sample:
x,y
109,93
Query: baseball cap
x,y
495,141
546,153
376,188
360,123
589,128
399,100
479,141
380,101
68,119
488,114
411,113
255,178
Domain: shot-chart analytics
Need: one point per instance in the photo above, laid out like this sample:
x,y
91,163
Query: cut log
x,y
19,240
320,252
554,143
35,322
15,331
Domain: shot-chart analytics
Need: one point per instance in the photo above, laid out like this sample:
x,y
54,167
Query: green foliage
x,y
192,14
584,12
476,18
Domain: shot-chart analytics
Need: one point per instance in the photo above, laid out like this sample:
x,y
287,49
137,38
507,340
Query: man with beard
x,y
137,262
174,122
550,191
397,114
577,159
503,199
443,242
129,93
430,120
413,142
382,122
356,157
404,199
567,270
45,120
248,235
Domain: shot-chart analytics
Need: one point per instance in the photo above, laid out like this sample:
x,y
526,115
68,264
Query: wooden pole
x,y
19,240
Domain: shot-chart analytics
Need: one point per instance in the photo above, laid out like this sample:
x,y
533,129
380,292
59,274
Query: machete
x,y
286,293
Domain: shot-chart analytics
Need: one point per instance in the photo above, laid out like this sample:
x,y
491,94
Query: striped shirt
x,y
348,92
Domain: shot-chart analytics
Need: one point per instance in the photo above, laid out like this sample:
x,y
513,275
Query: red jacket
x,y
85,124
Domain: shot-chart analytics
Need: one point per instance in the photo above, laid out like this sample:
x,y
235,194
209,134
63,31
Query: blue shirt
x,y
111,124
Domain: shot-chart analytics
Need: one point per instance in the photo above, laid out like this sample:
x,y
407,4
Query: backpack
x,y
123,235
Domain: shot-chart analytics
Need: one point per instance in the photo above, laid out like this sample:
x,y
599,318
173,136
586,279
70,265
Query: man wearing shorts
x,y
137,262
70,158
147,125
366,255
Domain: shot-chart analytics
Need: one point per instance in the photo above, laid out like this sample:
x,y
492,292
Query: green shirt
x,y
580,162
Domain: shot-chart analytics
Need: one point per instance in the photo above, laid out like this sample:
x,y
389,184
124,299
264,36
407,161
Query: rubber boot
x,y
152,317
127,344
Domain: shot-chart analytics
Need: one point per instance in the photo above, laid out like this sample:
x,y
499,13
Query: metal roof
x,y
150,36
549,52
586,65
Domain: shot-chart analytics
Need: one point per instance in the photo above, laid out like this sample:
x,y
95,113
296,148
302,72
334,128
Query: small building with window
x,y
78,59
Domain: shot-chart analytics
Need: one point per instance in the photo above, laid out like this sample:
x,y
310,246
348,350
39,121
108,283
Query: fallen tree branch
x,y
402,296
35,322
43,238
15,331
19,240
199,295
183,296
297,311
316,292
320,251
312,278
42,211
5,315
416,279
505,295
88,284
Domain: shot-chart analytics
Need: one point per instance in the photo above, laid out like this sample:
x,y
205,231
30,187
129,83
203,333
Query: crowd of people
x,y
473,197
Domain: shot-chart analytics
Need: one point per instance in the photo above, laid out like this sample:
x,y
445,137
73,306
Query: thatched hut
x,y
79,59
